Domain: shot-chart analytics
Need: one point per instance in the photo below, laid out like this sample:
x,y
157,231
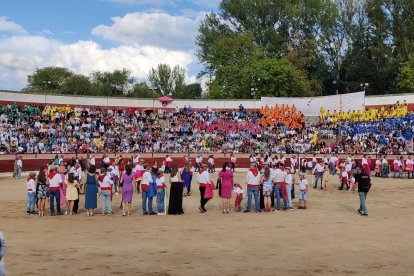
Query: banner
x,y
310,106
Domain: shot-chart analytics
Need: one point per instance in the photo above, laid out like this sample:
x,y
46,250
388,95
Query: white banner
x,y
310,106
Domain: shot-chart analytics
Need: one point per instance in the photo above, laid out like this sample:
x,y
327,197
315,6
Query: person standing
x,y
19,164
363,181
3,248
199,161
186,177
280,186
160,186
146,181
41,191
409,167
77,172
91,190
233,161
55,180
203,180
227,181
127,183
105,183
15,170
318,172
253,182
303,190
71,193
175,206
267,187
31,193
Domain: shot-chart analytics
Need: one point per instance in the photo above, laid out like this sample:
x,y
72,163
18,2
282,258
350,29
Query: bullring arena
x,y
327,238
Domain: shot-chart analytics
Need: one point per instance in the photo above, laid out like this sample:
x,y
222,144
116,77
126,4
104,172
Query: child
x,y
378,166
238,190
71,193
267,188
352,183
31,193
303,190
160,181
344,179
326,176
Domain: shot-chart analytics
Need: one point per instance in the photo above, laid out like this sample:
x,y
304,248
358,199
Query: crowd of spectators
x,y
66,129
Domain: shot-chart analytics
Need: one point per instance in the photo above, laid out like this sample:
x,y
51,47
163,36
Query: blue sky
x,y
88,35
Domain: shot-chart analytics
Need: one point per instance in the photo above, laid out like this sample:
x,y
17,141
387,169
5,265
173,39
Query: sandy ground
x,y
328,238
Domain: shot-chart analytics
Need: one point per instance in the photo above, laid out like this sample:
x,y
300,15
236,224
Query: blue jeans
x,y
277,195
160,203
54,194
19,172
106,198
255,193
362,202
332,169
317,177
289,195
31,201
145,198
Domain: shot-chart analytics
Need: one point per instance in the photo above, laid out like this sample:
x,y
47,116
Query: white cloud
x,y
10,26
143,2
22,53
157,29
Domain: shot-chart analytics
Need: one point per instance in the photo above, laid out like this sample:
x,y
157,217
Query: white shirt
x,y
289,179
251,179
20,163
55,181
92,161
77,172
146,178
106,182
199,159
31,186
211,161
160,181
107,160
364,161
348,167
303,184
203,178
318,168
279,176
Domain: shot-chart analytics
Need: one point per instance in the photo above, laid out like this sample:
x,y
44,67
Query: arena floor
x,y
326,239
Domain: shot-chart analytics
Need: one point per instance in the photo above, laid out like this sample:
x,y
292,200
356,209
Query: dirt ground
x,y
326,239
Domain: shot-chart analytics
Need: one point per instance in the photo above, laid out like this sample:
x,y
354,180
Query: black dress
x,y
175,206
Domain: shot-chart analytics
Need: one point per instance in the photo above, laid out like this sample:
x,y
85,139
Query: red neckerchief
x,y
202,170
159,177
52,174
28,179
101,177
254,171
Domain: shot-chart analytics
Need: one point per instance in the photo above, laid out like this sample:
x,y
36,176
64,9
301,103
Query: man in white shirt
x,y
19,167
199,161
279,180
318,172
203,179
253,183
55,180
146,181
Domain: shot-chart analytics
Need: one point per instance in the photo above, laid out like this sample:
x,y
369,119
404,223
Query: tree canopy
x,y
327,46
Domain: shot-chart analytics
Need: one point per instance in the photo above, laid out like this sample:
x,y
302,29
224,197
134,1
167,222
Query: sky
x,y
90,35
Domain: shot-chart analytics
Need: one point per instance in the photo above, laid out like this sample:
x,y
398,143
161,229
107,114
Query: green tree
x,y
167,80
405,78
141,90
116,83
77,85
191,91
48,79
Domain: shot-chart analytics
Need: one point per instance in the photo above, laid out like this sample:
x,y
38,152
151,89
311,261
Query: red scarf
x,y
254,171
202,170
52,174
101,177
